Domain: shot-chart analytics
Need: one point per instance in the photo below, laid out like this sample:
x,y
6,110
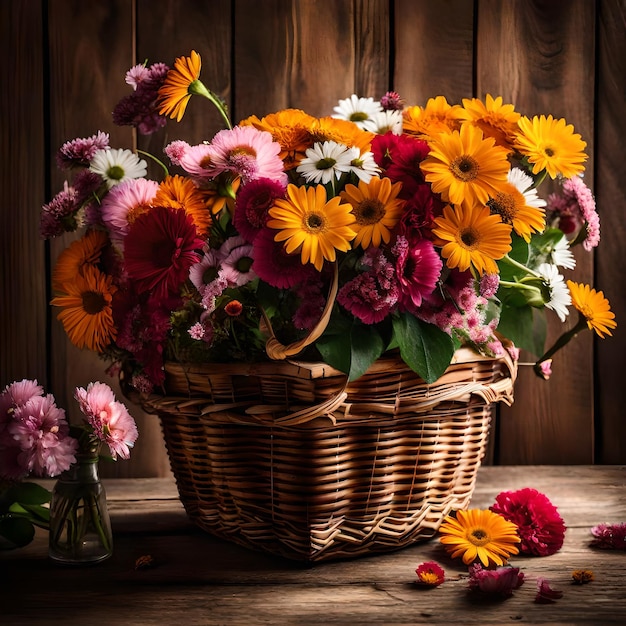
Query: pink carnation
x,y
501,581
110,420
540,527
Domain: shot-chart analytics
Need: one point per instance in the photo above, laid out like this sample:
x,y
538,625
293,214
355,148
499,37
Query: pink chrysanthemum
x,y
124,204
111,422
252,205
60,214
540,527
418,267
274,266
609,536
575,208
39,436
79,152
159,249
176,150
489,285
392,101
371,295
501,581
247,152
545,593
430,574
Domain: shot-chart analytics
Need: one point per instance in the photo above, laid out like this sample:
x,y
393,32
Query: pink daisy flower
x,y
124,203
254,200
418,267
237,262
111,422
197,160
247,152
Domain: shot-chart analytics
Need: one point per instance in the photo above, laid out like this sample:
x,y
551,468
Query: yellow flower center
x,y
586,310
478,537
429,578
548,151
465,168
93,302
369,211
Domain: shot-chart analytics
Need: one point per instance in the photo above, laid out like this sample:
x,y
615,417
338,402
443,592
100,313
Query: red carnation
x,y
540,527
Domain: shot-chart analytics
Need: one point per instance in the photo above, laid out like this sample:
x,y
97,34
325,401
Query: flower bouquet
x,y
37,440
383,240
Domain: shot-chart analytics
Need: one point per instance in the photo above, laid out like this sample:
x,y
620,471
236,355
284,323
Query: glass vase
x,y
80,527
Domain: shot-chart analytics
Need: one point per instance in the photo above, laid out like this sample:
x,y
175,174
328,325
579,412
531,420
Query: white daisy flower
x,y
364,166
116,165
383,122
326,159
357,110
524,184
561,255
560,297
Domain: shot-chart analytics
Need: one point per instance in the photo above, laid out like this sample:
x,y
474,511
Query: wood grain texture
x,y
540,56
610,181
433,44
203,580
23,301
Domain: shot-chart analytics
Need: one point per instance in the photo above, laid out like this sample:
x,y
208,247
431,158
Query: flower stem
x,y
158,161
520,266
197,87
564,339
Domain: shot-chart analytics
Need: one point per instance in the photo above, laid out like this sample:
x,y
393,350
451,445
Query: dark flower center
x,y
469,237
370,211
504,206
465,168
93,302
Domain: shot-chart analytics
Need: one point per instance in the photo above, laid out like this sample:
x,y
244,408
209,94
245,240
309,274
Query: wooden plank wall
x,y
67,60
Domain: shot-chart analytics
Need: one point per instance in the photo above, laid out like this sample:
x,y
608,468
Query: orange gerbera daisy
x,y
221,193
377,209
86,311
179,85
84,251
436,117
594,307
464,167
495,119
178,192
551,145
291,128
479,534
342,131
308,223
472,237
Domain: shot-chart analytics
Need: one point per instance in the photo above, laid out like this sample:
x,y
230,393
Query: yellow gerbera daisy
x,y
178,192
551,145
179,86
494,118
377,209
594,307
306,221
464,167
436,117
472,237
479,534
84,251
86,314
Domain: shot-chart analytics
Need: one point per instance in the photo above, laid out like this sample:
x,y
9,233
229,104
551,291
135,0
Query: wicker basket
x,y
288,458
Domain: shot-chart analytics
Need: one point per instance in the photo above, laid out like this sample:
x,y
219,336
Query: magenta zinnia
x,y
159,249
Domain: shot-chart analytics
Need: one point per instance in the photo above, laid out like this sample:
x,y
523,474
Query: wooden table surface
x,y
197,579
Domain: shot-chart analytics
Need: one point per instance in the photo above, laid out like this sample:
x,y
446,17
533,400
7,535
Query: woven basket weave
x,y
288,458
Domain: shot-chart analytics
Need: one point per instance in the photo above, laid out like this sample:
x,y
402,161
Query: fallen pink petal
x,y
545,593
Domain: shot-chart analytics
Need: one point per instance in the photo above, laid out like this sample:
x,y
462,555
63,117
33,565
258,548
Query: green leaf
x,y
17,531
351,348
525,327
34,512
520,252
28,493
426,349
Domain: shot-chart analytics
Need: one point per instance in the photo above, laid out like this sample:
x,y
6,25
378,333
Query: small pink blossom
x,y
544,369
110,420
79,152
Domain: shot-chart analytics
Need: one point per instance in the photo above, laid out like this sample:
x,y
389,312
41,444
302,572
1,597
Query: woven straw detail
x,y
288,458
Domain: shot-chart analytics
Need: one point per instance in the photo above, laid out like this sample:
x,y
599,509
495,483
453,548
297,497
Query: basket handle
x,y
278,351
